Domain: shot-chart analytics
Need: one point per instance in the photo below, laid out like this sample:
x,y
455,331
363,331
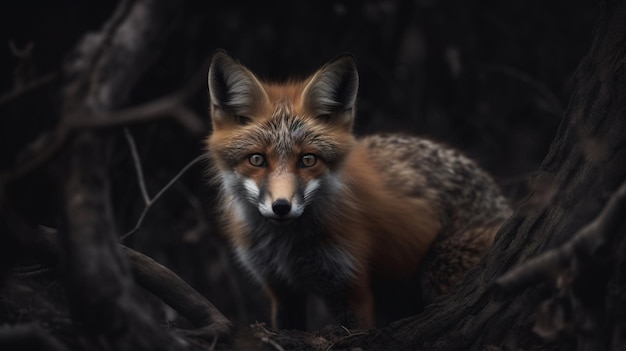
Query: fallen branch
x,y
175,292
153,277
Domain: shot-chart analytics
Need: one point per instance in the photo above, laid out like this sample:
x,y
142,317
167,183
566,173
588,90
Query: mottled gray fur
x,y
469,203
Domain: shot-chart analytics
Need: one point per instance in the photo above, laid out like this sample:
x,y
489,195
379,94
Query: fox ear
x,y
234,91
331,92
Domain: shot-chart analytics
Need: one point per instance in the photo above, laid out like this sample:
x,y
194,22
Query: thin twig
x,y
138,169
349,336
213,343
257,324
34,84
168,106
276,345
151,202
180,173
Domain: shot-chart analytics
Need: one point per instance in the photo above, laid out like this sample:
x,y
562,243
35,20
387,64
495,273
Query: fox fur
x,y
311,209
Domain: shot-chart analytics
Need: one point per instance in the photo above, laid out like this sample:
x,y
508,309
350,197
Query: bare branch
x,y
588,241
276,345
32,85
535,270
178,175
151,202
138,168
175,292
43,154
168,106
172,105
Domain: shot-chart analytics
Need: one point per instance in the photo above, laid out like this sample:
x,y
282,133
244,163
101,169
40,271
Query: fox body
x,y
311,209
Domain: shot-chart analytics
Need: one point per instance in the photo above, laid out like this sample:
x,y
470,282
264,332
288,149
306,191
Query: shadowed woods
x,y
100,117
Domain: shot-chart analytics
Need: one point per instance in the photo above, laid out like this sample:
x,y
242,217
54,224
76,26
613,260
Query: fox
x,y
311,209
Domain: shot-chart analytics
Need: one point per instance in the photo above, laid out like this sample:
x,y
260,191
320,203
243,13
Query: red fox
x,y
310,209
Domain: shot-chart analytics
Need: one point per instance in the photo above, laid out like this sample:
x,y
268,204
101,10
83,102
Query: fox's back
x,y
454,185
410,193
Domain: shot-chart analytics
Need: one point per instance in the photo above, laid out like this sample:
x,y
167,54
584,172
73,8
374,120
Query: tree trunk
x,y
98,280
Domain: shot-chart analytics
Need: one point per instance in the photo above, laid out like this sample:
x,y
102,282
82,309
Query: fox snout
x,y
277,198
281,207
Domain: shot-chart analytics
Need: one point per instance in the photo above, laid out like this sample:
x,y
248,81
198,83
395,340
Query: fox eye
x,y
308,160
257,160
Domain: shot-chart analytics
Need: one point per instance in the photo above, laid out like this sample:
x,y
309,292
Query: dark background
x,y
491,78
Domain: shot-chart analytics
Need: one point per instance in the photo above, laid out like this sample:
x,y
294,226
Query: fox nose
x,y
281,207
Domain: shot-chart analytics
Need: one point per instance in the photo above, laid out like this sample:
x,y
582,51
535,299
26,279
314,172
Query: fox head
x,y
277,147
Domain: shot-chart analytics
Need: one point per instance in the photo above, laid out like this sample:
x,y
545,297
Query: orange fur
x,y
388,233
399,229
